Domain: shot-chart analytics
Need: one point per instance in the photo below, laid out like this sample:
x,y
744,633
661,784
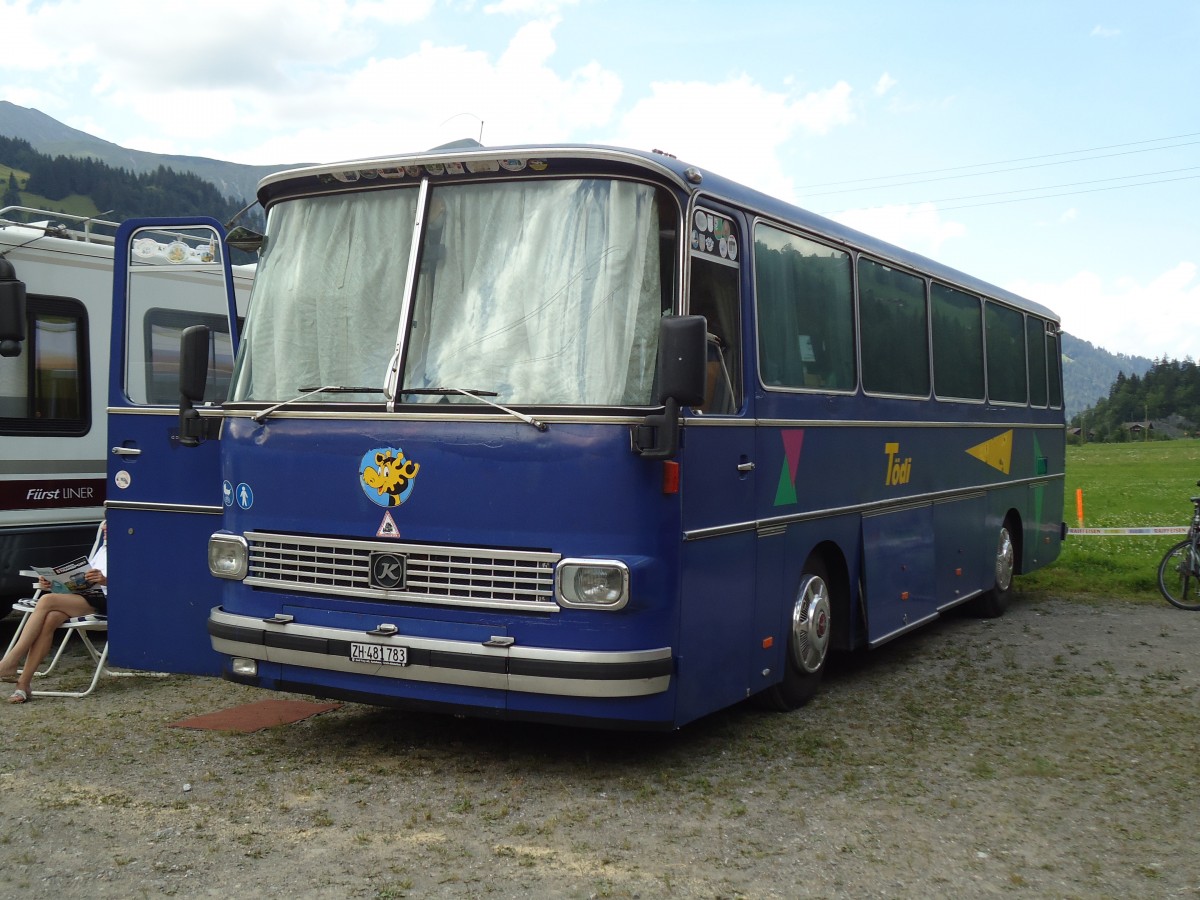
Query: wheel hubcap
x,y
811,625
1005,560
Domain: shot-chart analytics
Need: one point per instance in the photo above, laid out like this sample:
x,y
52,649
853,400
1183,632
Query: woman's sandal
x,y
19,696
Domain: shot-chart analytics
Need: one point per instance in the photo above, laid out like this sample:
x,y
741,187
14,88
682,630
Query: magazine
x,y
69,578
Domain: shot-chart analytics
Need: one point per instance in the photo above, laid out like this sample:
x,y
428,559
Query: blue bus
x,y
578,434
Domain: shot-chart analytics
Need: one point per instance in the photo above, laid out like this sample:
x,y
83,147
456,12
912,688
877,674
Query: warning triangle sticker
x,y
387,528
996,452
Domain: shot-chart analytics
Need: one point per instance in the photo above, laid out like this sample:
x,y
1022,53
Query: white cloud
x,y
1101,31
885,83
302,80
736,128
528,7
1161,317
919,228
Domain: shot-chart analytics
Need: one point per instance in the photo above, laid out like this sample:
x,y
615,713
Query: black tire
x,y
995,601
1179,577
811,627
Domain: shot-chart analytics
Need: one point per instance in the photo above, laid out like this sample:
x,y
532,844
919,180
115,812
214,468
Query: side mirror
x,y
242,238
682,353
193,376
12,310
682,350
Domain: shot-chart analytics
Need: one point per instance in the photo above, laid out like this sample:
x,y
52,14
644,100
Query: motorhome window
x,y
805,312
543,292
325,308
45,390
163,328
895,341
957,320
1035,334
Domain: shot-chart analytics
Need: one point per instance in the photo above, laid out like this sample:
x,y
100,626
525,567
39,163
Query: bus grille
x,y
448,576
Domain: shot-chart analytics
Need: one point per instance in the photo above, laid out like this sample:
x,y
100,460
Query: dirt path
x,y
1051,753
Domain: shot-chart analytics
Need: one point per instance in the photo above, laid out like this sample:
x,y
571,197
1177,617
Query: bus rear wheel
x,y
807,646
994,602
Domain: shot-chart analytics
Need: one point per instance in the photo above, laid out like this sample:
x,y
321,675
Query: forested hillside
x,y
1167,399
1089,372
34,179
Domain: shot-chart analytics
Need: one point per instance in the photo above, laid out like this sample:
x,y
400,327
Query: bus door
x,y
164,499
717,483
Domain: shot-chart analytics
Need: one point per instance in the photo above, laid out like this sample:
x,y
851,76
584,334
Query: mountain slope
x,y
1089,372
53,138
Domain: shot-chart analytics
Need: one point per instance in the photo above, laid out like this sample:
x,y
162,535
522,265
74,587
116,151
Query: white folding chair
x,y
81,625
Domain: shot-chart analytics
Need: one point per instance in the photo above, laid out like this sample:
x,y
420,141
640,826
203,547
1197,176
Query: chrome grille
x,y
450,576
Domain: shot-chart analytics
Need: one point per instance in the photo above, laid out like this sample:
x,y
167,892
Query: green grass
x,y
76,204
1124,485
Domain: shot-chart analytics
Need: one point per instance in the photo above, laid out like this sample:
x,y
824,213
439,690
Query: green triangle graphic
x,y
786,492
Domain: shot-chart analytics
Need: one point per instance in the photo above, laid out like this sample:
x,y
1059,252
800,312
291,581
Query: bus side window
x,y
715,296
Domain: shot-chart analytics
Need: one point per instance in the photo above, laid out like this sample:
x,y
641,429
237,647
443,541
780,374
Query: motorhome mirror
x,y
193,362
12,310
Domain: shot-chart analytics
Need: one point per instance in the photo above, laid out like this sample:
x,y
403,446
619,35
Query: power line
x,y
1115,187
1053,187
992,171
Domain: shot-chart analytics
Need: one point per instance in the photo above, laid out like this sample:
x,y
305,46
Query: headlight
x,y
593,583
227,556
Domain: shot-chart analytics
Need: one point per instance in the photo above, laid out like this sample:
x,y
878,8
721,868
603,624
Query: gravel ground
x,y
1050,753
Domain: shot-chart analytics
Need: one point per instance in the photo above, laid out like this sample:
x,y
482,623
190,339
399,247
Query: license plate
x,y
379,654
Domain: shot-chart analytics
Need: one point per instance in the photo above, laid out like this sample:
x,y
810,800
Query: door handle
x,y
745,467
126,451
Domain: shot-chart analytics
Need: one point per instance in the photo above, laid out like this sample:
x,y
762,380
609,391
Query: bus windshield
x,y
532,292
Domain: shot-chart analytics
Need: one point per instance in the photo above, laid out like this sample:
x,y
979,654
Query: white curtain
x,y
325,307
544,292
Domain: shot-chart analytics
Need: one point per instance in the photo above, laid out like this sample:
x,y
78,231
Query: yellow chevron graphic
x,y
996,452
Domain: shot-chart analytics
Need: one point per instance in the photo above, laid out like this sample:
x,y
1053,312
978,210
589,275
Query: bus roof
x,y
472,157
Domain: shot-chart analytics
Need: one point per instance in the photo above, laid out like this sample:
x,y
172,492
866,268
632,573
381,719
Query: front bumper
x,y
486,660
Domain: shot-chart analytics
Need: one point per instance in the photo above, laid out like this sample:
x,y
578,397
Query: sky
x,y
1051,147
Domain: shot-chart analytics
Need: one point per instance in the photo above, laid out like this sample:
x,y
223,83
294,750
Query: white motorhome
x,y
53,380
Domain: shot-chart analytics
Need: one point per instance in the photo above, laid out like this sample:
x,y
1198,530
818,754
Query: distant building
x,y
1172,427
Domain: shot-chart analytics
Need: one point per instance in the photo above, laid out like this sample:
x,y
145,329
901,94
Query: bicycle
x,y
1179,571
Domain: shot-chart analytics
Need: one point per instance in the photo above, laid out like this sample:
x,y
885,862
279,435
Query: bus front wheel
x,y
994,602
809,634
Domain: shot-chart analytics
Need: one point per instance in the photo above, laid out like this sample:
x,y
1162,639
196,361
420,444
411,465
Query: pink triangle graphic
x,y
793,443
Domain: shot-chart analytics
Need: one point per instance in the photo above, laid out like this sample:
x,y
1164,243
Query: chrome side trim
x,y
901,423
155,411
767,527
147,506
531,670
904,629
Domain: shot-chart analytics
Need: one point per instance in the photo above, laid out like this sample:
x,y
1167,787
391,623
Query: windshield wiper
x,y
309,391
477,395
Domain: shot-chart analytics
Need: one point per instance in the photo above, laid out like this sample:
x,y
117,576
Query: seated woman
x,y
51,611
